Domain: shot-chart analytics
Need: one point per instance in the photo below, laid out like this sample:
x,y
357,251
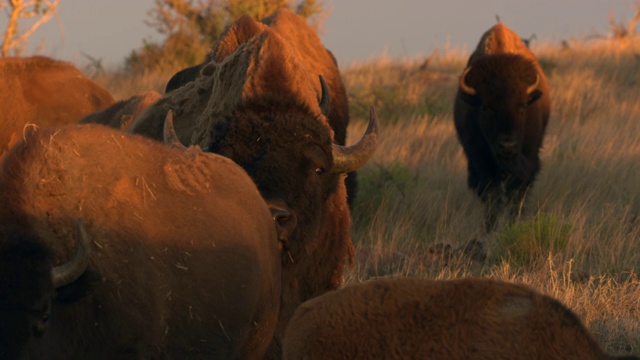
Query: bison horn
x,y
350,158
325,99
534,86
169,133
69,272
463,83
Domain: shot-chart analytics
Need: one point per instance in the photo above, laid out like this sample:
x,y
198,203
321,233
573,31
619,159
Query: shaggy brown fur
x,y
45,92
258,105
401,318
501,127
185,247
309,51
123,113
310,54
500,40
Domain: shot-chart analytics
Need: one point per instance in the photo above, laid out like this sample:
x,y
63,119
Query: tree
x,y
40,11
190,28
622,31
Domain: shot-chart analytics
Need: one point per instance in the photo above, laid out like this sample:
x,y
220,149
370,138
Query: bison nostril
x,y
507,147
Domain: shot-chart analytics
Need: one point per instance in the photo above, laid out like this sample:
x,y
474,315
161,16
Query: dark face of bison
x,y
28,283
503,88
289,156
26,290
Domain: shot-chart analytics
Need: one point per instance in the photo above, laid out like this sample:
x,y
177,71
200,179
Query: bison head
x,y
288,151
29,283
503,87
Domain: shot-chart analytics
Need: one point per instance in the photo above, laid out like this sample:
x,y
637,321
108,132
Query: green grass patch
x,y
525,243
379,183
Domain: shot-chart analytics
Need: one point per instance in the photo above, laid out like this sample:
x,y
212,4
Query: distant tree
x,y
39,11
190,27
622,30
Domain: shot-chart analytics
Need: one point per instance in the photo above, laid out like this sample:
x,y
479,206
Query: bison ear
x,y
83,286
535,95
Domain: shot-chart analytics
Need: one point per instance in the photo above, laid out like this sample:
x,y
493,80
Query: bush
x,y
524,243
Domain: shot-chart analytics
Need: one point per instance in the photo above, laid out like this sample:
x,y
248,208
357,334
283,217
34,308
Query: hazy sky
x,y
354,29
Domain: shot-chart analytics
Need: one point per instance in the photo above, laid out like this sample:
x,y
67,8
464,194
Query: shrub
x,y
524,243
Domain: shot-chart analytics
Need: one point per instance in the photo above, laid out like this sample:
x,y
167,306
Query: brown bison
x,y
402,318
123,113
46,92
310,54
258,105
184,259
500,114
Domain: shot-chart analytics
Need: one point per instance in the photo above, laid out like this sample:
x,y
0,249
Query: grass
x,y
578,239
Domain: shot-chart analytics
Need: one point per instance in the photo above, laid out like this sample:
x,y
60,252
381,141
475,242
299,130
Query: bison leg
x,y
517,199
494,202
491,193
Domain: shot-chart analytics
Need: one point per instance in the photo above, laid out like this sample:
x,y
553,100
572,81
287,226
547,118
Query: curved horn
x,y
463,83
350,158
534,86
169,133
70,271
325,100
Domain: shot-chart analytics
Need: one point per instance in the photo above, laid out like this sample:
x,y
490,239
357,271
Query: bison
x,y
403,318
183,261
258,105
46,92
501,112
311,55
123,113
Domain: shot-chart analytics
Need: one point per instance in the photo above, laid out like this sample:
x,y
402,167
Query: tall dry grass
x,y
579,237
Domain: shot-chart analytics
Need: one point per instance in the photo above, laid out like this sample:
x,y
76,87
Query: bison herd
x,y
214,221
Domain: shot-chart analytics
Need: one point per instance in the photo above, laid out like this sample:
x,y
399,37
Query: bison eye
x,y
320,171
41,324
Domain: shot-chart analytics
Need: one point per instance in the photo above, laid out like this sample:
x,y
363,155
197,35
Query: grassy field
x,y
579,237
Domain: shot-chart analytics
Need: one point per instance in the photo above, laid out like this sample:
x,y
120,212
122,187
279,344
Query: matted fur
x,y
309,53
303,40
184,244
263,70
402,318
46,92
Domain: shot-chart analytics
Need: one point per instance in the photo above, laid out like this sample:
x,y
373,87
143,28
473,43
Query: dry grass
x,y
579,237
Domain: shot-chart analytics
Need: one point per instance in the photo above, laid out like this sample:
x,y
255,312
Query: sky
x,y
354,30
